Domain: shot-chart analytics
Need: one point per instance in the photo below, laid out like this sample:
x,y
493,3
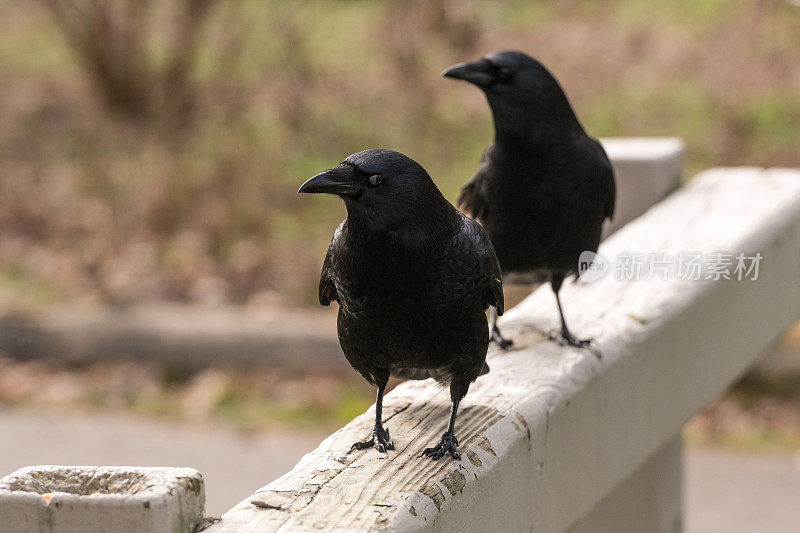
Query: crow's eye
x,y
505,73
376,179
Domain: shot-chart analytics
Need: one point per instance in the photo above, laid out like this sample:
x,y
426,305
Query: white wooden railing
x,y
555,438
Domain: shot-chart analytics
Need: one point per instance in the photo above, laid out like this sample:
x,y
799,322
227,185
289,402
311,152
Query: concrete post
x,y
99,499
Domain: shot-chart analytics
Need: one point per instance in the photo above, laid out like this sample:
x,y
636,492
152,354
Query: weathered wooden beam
x,y
551,430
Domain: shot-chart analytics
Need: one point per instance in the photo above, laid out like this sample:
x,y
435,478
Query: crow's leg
x,y
495,335
449,442
566,336
380,436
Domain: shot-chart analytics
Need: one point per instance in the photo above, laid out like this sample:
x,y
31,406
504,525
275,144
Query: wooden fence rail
x,y
555,438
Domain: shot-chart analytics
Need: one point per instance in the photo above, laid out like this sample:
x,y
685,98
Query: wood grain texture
x,y
551,430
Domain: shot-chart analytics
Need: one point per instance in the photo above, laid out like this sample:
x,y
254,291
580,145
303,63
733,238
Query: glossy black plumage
x,y
544,187
413,278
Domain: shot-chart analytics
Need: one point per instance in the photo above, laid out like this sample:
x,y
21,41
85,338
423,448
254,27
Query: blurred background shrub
x,y
151,149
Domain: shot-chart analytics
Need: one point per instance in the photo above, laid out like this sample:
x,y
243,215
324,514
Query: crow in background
x,y
413,278
544,188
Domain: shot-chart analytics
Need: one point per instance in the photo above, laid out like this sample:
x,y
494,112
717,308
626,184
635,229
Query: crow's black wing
x,y
605,186
494,294
611,192
327,288
473,199
487,271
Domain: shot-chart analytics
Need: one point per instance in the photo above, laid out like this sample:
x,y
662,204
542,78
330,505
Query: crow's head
x,y
381,188
509,73
514,81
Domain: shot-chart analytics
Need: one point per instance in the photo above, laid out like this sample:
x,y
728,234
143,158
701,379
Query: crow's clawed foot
x,y
379,439
501,341
447,444
565,338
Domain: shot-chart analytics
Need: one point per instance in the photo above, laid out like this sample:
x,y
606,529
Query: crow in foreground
x,y
544,188
413,278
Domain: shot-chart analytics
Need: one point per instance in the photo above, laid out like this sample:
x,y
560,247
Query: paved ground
x,y
725,492
233,464
732,492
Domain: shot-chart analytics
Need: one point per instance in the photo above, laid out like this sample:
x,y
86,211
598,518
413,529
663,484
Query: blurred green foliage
x,y
189,194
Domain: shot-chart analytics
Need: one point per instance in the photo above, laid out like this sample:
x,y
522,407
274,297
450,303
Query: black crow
x,y
413,278
544,187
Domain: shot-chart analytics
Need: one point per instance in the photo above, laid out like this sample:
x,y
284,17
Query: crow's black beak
x,y
478,72
339,180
